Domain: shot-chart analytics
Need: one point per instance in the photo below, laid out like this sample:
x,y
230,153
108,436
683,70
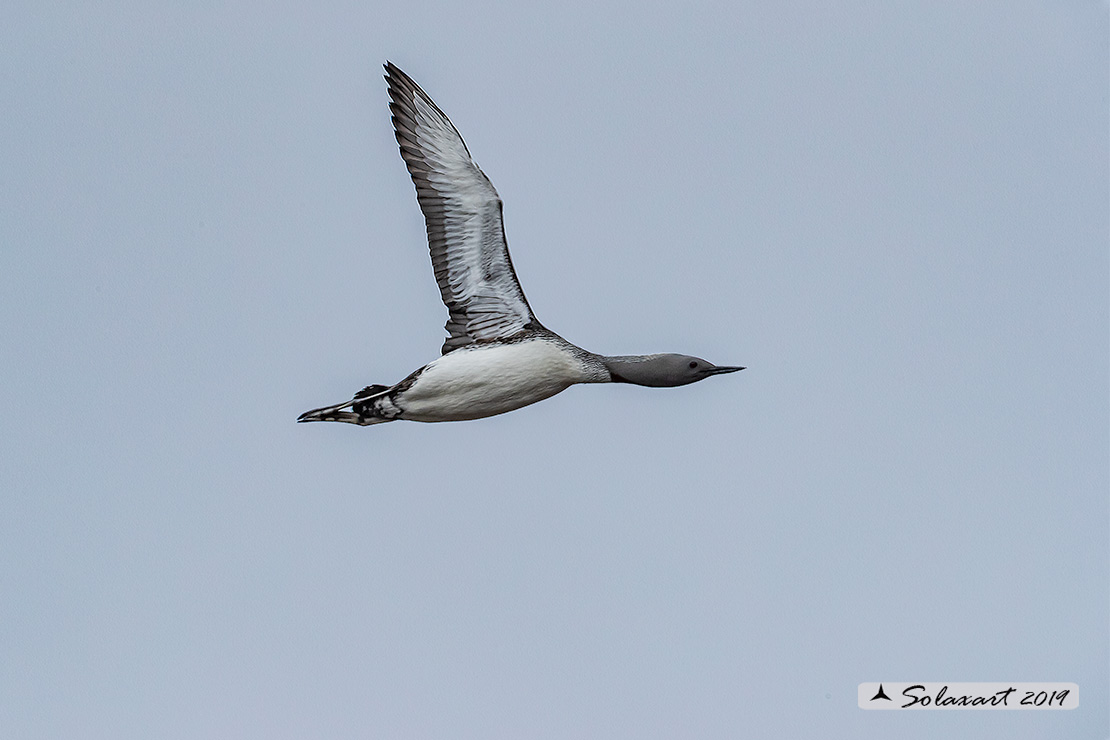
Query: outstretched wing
x,y
463,214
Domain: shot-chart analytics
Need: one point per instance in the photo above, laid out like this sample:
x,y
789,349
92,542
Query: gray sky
x,y
895,214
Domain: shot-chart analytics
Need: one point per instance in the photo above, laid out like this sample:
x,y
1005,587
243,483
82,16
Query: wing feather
x,y
463,214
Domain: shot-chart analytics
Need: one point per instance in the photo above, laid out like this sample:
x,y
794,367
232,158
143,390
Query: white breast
x,y
481,381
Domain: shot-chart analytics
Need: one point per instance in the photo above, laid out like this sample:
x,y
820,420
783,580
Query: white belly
x,y
483,381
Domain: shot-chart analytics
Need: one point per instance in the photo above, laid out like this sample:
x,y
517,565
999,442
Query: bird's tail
x,y
359,410
333,413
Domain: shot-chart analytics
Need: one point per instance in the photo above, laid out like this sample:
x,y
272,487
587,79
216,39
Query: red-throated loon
x,y
497,356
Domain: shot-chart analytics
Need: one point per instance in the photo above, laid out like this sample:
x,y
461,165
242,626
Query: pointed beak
x,y
722,369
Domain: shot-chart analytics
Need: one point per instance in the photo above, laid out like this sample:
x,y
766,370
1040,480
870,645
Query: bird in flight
x,y
497,356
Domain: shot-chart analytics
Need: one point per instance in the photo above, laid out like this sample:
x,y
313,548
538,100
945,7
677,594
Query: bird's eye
x,y
693,365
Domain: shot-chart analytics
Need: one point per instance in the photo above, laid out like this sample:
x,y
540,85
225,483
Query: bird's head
x,y
663,370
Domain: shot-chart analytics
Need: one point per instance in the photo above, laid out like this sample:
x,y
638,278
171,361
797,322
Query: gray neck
x,y
639,369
